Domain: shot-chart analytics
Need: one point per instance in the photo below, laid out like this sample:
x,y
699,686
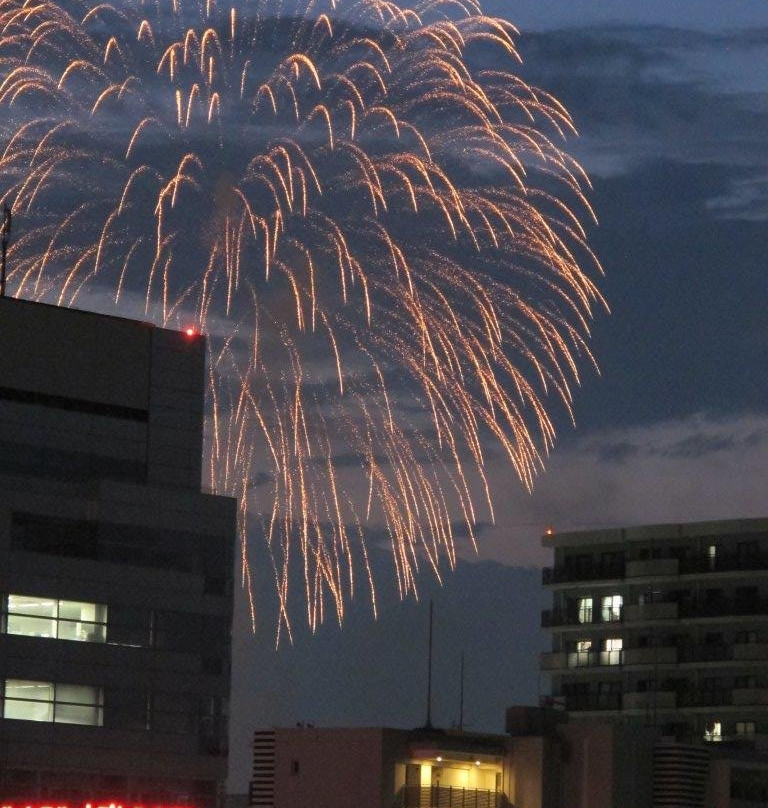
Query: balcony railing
x,y
450,797
593,701
598,572
672,567
660,610
592,617
668,699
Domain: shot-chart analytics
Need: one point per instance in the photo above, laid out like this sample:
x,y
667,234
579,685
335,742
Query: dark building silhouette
x,y
115,569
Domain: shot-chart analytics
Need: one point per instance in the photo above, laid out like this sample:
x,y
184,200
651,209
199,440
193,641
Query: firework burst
x,y
365,210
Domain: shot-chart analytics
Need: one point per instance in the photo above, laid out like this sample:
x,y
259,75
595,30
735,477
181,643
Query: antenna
x,y
428,725
461,695
5,237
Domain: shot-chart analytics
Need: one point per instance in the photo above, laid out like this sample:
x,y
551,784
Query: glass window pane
x,y
28,701
33,606
585,610
31,626
82,612
26,689
28,710
82,632
78,714
78,694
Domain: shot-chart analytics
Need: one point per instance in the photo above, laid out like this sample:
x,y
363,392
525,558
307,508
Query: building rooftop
x,y
638,533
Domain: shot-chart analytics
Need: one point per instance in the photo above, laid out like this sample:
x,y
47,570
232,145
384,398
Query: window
x,y
712,555
744,637
714,732
745,727
611,653
28,700
32,616
585,610
611,608
581,655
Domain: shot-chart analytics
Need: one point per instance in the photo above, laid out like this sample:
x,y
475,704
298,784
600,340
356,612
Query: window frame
x,y
96,627
55,702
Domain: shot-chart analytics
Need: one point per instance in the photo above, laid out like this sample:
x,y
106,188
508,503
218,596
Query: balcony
x,y
661,655
724,562
593,702
650,700
652,566
450,797
552,618
723,607
706,653
563,660
638,568
705,698
666,610
750,696
597,572
750,651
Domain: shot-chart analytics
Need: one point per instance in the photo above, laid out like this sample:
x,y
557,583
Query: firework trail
x,y
365,210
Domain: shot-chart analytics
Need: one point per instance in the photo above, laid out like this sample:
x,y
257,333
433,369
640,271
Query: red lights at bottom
x,y
88,804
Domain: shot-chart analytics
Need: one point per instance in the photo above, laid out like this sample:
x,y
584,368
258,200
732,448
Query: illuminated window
x,y
28,700
611,653
585,610
714,732
58,619
611,608
582,655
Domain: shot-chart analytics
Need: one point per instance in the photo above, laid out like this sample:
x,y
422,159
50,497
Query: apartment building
x,y
667,626
115,569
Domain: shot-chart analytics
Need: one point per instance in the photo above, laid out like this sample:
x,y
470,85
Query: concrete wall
x,y
336,768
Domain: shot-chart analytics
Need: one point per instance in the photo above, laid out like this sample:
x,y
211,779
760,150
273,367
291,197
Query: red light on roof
x,y
191,331
550,531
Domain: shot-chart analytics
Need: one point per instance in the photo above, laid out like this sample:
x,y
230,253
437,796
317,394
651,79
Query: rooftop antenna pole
x,y
5,237
428,725
461,695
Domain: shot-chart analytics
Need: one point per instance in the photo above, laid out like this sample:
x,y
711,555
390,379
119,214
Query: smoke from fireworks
x,y
365,210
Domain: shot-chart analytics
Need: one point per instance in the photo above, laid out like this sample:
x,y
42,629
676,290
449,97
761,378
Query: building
x,y
115,569
378,767
666,626
543,761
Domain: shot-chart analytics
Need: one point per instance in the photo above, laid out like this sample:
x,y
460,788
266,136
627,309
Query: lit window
x,y
59,619
712,555
582,655
585,610
612,648
27,700
32,617
611,608
714,732
745,727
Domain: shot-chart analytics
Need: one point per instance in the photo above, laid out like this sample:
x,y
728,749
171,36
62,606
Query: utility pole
x,y
5,237
428,725
461,695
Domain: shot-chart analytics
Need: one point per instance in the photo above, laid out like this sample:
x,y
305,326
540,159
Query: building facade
x,y
667,627
378,767
115,569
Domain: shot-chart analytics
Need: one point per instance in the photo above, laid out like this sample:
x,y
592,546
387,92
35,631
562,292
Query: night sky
x,y
671,99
